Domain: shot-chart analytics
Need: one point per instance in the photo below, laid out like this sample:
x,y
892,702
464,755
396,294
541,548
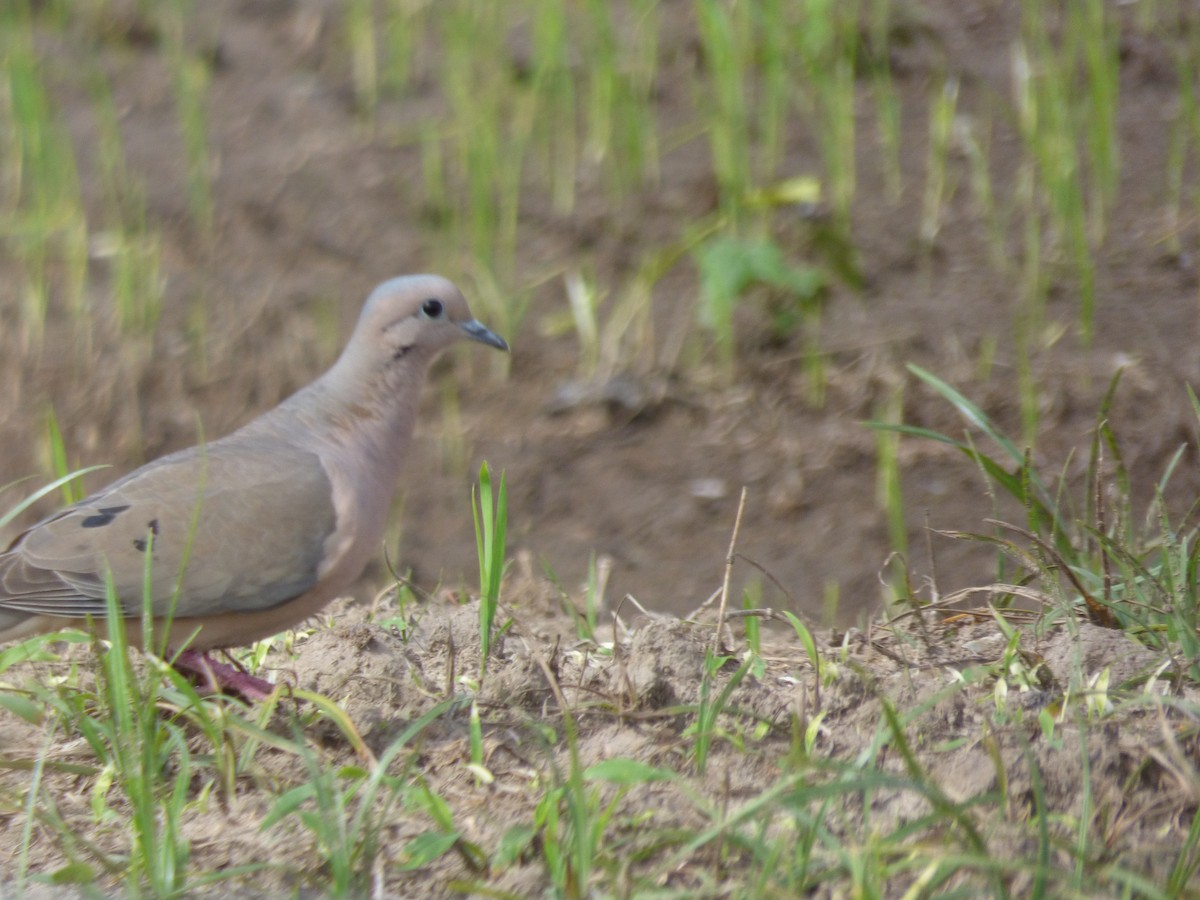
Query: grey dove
x,y
250,534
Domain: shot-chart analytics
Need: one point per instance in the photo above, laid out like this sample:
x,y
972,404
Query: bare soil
x,y
313,207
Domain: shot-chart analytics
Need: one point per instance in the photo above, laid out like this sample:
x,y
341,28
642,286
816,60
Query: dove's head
x,y
404,324
416,315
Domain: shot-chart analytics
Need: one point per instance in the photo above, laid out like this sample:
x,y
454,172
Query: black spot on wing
x,y
142,543
103,516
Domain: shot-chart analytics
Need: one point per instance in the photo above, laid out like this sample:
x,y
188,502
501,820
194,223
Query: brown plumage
x,y
252,533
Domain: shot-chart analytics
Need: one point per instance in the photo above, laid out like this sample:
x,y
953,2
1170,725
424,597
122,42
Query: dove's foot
x,y
219,677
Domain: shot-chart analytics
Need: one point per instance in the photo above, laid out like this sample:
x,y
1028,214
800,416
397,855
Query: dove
x,y
243,537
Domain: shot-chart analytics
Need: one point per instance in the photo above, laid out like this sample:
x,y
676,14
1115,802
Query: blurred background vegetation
x,y
774,204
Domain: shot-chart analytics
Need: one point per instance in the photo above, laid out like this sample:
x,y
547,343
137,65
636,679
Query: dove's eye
x,y
432,308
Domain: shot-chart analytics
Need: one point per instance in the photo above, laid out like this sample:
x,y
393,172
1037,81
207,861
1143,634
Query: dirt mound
x,y
912,725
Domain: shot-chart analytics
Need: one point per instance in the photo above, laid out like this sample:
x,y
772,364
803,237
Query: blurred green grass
x,y
535,98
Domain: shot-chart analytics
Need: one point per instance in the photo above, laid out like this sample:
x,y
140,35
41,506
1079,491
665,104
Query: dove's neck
x,y
359,423
359,428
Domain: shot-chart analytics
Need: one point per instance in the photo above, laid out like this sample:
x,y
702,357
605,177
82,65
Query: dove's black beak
x,y
477,331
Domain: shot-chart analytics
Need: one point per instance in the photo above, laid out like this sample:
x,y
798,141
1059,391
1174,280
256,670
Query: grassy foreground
x,y
1030,738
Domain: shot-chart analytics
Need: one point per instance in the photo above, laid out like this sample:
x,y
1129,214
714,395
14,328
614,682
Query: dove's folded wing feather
x,y
229,528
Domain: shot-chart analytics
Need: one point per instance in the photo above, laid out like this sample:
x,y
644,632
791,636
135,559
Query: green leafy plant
x,y
709,708
491,520
729,267
1117,576
347,808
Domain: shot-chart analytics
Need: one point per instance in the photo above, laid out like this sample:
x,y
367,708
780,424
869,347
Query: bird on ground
x,y
250,534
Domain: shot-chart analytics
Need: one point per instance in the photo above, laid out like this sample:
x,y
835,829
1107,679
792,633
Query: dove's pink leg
x,y
222,677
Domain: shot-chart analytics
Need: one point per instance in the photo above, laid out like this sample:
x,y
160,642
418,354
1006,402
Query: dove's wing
x,y
229,527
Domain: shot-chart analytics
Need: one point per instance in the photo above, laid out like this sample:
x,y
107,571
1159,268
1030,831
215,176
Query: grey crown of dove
x,y
252,533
